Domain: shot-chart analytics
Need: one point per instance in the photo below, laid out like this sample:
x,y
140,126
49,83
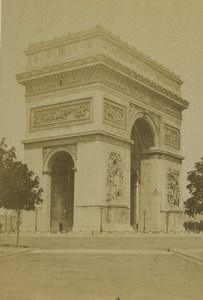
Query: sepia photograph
x,y
101,149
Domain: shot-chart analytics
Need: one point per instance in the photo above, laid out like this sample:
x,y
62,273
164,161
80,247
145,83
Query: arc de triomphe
x,y
103,134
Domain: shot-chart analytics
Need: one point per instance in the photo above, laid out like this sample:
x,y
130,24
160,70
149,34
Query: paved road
x,y
101,268
87,276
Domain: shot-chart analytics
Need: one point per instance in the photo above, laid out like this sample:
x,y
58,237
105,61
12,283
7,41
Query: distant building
x,y
103,128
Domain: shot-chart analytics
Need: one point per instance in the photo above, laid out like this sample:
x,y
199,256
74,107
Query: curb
x,y
15,253
105,235
190,257
98,251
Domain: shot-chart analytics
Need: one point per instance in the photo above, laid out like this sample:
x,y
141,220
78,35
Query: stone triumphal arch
x,y
103,134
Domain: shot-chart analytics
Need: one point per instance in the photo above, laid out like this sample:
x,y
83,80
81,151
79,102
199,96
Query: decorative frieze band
x,y
172,136
61,114
109,77
114,114
96,41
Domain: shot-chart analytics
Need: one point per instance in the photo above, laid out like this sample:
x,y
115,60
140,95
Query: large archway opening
x,y
62,192
142,136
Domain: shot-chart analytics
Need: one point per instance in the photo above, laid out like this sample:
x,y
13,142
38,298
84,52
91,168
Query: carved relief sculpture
x,y
114,177
114,113
172,136
60,113
173,194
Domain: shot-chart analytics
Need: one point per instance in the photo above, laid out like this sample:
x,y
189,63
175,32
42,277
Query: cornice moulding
x,y
162,153
95,42
73,138
56,72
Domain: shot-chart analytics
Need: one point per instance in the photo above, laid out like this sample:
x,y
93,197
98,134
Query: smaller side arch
x,y
50,154
59,188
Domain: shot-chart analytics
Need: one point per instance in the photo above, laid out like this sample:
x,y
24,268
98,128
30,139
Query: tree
x,y
19,188
7,156
194,204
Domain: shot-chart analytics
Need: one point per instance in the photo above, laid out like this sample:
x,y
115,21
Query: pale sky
x,y
170,32
0,21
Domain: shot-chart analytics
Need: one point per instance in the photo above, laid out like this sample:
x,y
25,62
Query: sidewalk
x,y
116,234
185,247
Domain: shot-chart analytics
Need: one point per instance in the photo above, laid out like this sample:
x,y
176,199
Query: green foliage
x,y
19,188
194,204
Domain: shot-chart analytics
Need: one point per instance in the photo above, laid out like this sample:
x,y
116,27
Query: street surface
x,y
101,268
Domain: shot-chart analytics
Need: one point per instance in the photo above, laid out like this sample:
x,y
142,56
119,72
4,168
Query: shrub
x,y
193,226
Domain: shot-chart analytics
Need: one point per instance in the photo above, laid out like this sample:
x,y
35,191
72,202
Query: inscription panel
x,y
61,114
172,136
114,114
